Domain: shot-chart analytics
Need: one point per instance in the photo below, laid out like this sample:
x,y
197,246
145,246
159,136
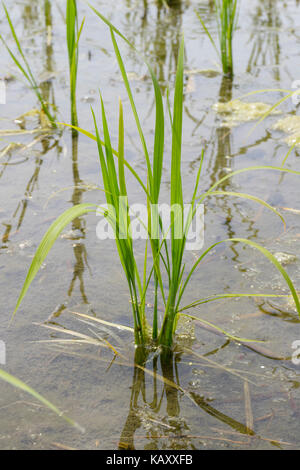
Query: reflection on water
x,y
157,408
47,85
30,17
265,39
78,225
32,185
148,400
48,143
157,33
223,161
140,413
77,233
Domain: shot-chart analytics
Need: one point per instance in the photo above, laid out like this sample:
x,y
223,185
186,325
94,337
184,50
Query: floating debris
x,y
26,244
21,120
9,77
88,99
72,235
190,85
209,73
290,209
285,258
289,125
237,112
48,76
132,76
9,148
8,132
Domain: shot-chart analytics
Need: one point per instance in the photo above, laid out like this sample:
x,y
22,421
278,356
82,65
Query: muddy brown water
x,y
226,395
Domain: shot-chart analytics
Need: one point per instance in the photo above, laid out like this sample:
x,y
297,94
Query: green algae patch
x,y
289,125
237,112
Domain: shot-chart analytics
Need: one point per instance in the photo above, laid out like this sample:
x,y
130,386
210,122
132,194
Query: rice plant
x,y
73,32
226,16
25,69
167,269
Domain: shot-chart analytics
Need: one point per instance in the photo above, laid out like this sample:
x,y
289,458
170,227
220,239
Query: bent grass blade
x,y
243,170
17,383
265,252
47,242
214,298
115,153
217,328
251,198
104,322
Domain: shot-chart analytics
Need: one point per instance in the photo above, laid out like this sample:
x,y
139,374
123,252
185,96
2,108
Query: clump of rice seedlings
x,y
168,268
25,69
73,35
226,15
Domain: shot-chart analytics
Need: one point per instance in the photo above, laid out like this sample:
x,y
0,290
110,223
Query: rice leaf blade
x,y
47,242
17,383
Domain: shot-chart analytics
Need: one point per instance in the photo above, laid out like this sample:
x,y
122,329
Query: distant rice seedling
x,y
226,16
25,69
73,35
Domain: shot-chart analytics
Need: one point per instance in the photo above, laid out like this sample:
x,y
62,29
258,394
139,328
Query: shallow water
x,y
217,380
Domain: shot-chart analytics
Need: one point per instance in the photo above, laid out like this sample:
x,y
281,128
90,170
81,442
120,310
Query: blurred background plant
x,y
226,12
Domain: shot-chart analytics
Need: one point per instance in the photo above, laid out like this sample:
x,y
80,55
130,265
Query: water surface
x,y
217,381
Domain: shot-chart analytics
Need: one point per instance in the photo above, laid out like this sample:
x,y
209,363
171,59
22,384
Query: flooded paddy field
x,y
213,392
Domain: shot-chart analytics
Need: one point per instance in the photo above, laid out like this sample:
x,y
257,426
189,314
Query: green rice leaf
x,y
217,328
265,252
208,33
214,298
17,383
243,170
133,107
47,242
121,160
93,137
176,180
251,198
